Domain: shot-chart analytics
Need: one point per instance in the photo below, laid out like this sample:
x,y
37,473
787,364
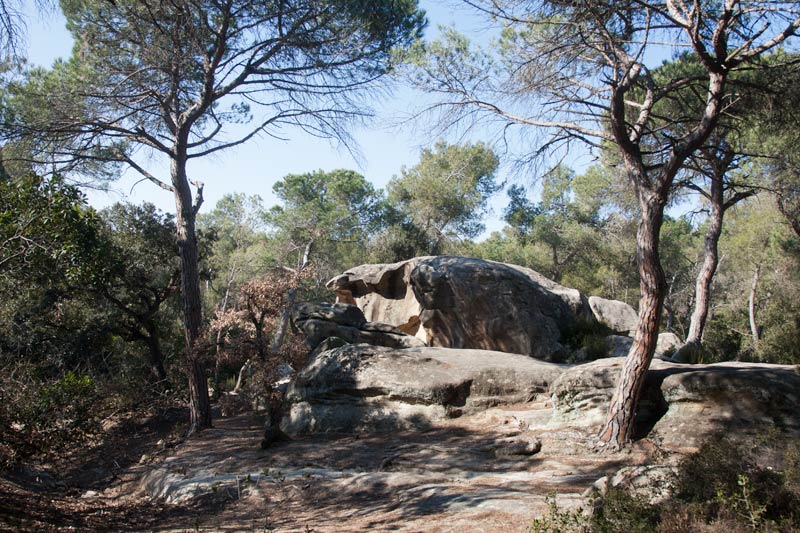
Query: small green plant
x,y
719,489
743,504
620,510
559,520
589,335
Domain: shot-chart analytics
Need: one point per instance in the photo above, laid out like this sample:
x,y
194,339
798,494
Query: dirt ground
x,y
459,476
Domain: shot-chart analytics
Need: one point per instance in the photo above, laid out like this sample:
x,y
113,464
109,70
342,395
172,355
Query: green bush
x,y
589,335
37,415
719,489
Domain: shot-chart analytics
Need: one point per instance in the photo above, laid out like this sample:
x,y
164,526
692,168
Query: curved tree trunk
x,y
710,262
199,404
618,429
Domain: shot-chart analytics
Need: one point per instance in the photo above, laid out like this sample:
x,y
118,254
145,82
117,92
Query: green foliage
x,y
590,336
36,416
444,197
77,286
237,246
623,511
558,520
718,489
336,212
46,230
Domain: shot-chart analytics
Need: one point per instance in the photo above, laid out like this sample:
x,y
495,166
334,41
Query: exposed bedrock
x,y
370,388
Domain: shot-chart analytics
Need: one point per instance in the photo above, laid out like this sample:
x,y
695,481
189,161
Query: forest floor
x,y
458,476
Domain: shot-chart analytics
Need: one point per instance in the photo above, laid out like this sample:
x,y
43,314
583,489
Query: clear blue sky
x,y
256,166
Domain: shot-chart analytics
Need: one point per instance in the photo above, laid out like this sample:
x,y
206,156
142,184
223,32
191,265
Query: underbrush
x,y
43,413
722,488
588,337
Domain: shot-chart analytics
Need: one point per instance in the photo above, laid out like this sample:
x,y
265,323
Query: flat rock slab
x,y
683,405
449,478
362,387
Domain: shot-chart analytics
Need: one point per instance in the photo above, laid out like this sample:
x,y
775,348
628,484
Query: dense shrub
x,y
722,488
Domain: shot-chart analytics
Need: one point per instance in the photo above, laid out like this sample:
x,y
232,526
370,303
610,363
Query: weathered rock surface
x,y
619,345
618,316
368,388
685,405
488,470
461,302
668,343
745,401
323,321
384,293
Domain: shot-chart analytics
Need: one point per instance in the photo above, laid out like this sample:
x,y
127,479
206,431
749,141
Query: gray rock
x,y
322,321
618,316
344,314
743,401
668,343
619,346
368,388
685,405
384,293
460,302
515,446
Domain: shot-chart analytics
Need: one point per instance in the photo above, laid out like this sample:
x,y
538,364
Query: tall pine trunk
x,y
622,412
199,404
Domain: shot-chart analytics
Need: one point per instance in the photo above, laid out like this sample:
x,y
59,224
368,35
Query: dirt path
x,y
465,475
472,473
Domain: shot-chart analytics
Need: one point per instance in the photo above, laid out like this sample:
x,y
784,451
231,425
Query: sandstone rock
x,y
668,343
346,322
368,388
383,292
743,401
618,345
582,392
618,316
339,313
515,446
460,302
684,405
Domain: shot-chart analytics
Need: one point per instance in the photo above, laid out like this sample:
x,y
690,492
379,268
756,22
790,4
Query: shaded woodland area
x,y
690,211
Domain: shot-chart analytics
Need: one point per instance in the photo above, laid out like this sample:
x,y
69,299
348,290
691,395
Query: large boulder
x,y
619,345
668,343
321,321
618,316
747,402
369,388
460,302
682,405
383,292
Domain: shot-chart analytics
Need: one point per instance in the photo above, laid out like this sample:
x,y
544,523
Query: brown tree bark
x,y
721,160
156,356
199,403
619,426
702,289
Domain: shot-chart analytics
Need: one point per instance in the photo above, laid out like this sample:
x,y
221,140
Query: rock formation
x,y
363,388
618,316
459,302
321,321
